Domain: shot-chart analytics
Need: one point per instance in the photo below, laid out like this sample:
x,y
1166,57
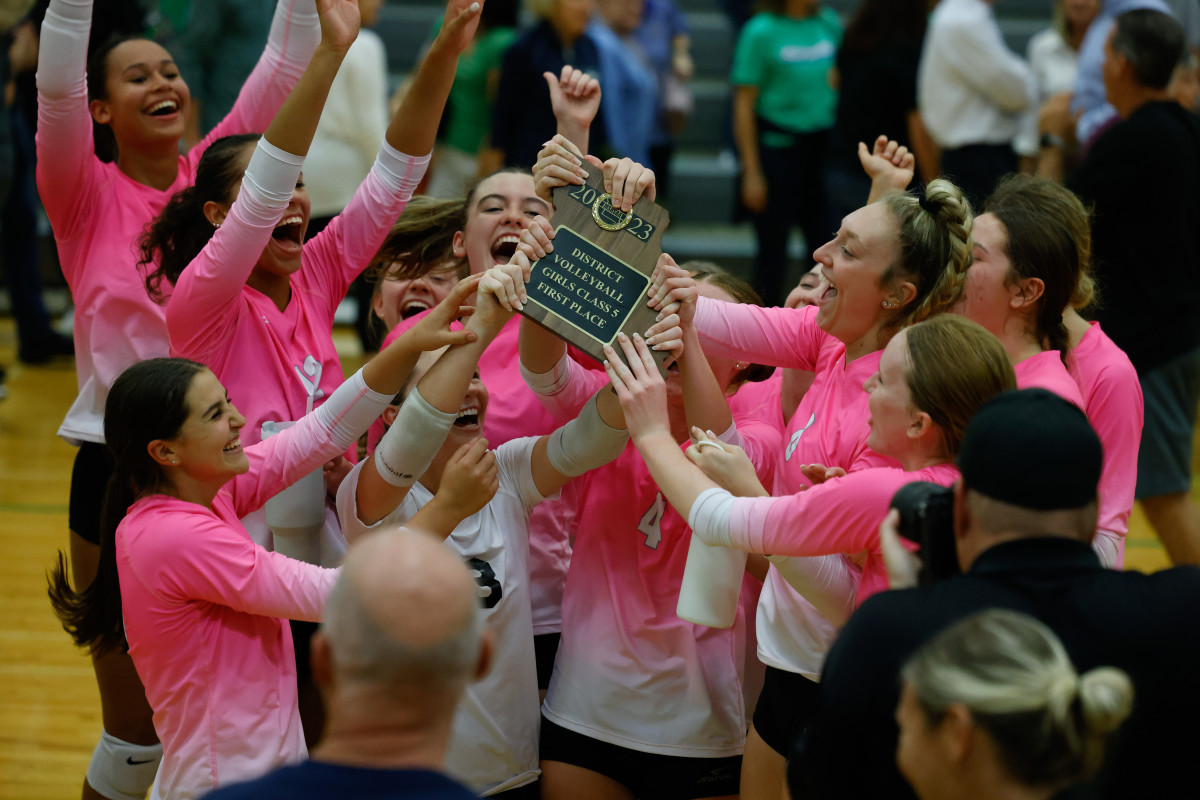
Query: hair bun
x,y
1106,698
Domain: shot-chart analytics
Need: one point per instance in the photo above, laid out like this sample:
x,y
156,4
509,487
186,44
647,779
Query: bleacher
x,y
704,171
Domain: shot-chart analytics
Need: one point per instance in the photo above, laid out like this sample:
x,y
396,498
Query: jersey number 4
x,y
651,522
490,591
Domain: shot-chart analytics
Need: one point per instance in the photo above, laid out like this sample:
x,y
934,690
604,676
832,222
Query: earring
x,y
216,224
739,366
888,304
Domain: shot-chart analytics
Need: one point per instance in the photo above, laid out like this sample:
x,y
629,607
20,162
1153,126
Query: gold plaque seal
x,y
609,219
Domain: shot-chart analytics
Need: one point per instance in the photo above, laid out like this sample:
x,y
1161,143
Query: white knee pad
x,y
123,771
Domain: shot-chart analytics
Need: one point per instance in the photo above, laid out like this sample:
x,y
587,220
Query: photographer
x,y
1025,512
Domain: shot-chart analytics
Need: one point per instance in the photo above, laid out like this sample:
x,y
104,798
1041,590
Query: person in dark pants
x,y
783,110
1023,516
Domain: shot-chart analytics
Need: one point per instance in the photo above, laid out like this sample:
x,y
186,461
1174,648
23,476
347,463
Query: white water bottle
x,y
297,514
712,584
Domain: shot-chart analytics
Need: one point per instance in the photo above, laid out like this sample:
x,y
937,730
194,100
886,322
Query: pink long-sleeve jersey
x,y
839,516
204,611
1112,399
829,427
1047,371
98,212
629,671
273,361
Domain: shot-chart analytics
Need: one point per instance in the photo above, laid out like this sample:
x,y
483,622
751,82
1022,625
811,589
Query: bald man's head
x,y
403,616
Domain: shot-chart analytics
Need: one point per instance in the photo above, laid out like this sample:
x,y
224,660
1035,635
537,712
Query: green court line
x,y
33,508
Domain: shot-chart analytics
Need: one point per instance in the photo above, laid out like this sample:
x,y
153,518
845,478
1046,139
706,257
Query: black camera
x,y
927,519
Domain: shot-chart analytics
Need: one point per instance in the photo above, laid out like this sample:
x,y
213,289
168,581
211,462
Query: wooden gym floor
x,y
49,707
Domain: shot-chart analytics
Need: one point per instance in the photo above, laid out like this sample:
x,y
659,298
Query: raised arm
x,y
202,306
280,460
345,248
293,39
66,163
416,435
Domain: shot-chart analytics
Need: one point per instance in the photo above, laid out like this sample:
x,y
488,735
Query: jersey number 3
x,y
651,522
490,591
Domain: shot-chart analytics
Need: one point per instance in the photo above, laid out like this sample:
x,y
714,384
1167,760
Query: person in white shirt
x,y
971,93
1053,55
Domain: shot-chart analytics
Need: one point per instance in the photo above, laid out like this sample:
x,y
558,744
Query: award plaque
x,y
594,285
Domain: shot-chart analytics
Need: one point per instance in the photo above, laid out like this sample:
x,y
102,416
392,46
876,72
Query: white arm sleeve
x,y
351,409
399,172
62,57
545,384
585,443
295,31
709,517
408,447
268,183
828,582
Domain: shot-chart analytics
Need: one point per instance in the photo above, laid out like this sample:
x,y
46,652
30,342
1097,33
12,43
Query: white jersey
x,y
494,744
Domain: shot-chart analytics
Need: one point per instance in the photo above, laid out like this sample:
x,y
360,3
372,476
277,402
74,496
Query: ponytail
x,y
180,231
93,615
935,249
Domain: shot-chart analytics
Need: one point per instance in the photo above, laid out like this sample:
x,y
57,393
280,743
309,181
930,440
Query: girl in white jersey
x,y
108,142
433,439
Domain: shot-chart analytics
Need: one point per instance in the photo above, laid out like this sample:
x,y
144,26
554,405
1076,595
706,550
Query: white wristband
x,y
709,517
408,447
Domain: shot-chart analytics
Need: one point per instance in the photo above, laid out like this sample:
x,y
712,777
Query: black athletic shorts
x,y
89,481
648,775
545,649
785,707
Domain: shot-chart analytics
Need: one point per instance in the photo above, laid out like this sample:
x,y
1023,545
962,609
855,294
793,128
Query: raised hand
x,y
575,98
459,25
889,163
470,480
340,20
627,180
433,331
726,465
639,386
559,164
537,241
672,284
819,473
505,284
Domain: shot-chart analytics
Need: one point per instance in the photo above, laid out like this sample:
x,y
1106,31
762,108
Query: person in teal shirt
x,y
784,108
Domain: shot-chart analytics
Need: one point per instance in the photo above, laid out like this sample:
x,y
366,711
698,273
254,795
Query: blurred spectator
x,y
1053,54
972,91
352,125
216,46
1142,177
467,128
1088,103
630,90
877,82
783,110
1185,84
523,118
37,342
662,34
343,149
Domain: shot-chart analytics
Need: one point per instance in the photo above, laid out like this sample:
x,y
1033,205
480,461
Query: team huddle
x,y
227,467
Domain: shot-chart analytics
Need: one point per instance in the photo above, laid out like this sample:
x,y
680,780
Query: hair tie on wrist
x,y
930,206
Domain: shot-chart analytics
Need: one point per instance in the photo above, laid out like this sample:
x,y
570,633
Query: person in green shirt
x,y
784,107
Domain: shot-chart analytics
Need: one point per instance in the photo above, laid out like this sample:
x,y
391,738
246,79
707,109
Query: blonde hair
x,y
1015,678
934,238
421,241
955,366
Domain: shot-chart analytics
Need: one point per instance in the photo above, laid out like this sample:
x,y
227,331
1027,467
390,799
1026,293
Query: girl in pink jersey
x,y
894,262
932,377
1025,270
133,100
201,604
641,703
